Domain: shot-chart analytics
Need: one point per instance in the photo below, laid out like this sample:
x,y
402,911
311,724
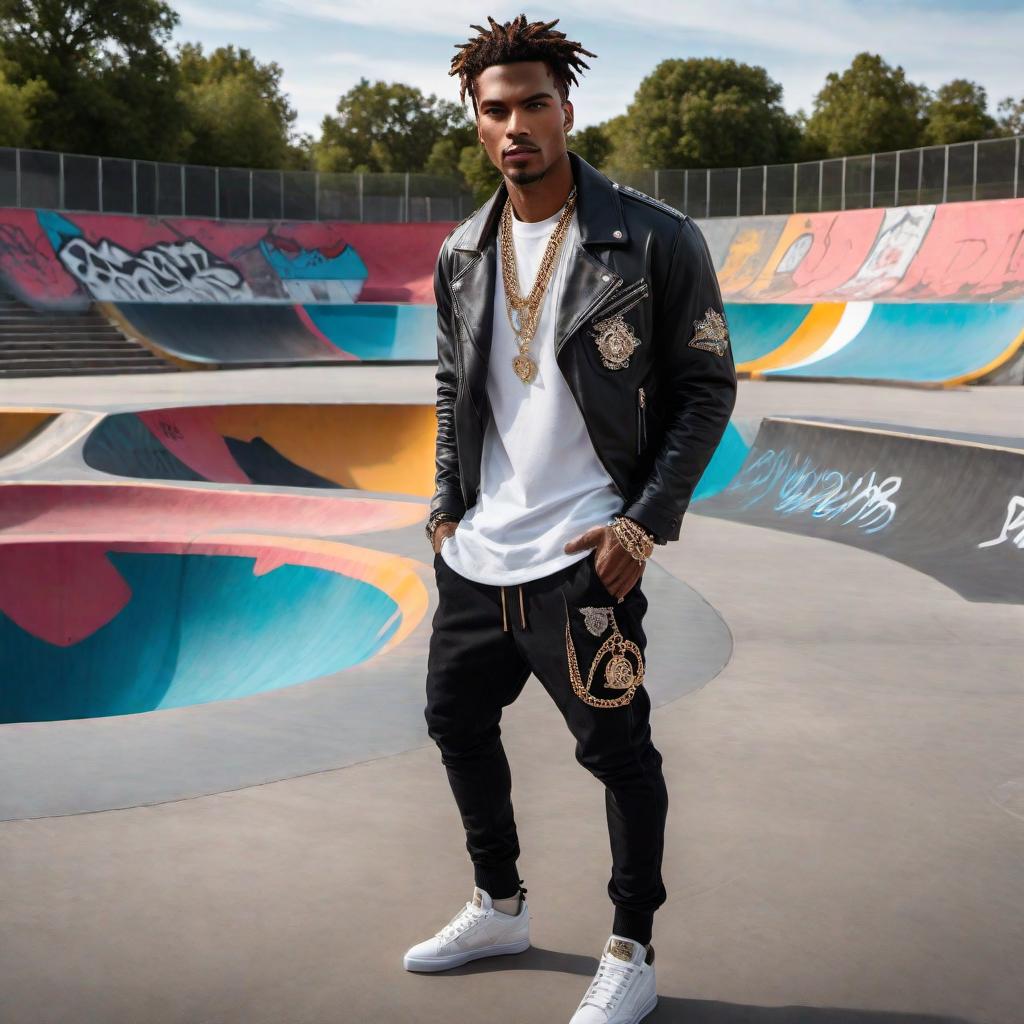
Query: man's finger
x,y
587,539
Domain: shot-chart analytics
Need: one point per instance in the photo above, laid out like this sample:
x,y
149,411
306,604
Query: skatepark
x,y
216,600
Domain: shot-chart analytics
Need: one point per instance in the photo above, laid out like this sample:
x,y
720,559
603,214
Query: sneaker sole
x,y
444,963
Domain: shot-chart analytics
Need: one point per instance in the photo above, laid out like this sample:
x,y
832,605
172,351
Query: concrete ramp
x,y
950,507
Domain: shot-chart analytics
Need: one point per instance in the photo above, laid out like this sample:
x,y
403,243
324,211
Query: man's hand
x,y
616,568
444,529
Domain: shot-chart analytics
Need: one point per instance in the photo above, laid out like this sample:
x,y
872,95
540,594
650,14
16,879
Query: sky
x,y
325,46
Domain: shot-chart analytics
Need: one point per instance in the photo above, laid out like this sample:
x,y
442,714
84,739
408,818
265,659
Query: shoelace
x,y
468,916
609,984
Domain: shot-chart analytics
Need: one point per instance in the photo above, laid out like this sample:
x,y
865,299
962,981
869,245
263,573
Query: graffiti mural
x,y
899,238
954,252
795,485
53,259
165,272
959,252
1014,522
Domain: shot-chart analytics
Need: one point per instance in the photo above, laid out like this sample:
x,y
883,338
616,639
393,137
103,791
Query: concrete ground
x,y
845,839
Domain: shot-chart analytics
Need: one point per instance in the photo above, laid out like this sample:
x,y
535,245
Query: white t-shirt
x,y
541,482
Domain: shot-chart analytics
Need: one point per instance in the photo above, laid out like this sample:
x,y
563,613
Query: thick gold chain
x,y
516,305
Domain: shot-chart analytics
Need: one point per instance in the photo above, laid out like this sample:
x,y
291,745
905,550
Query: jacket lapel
x,y
587,279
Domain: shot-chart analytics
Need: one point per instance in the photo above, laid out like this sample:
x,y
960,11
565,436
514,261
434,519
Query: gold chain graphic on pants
x,y
619,673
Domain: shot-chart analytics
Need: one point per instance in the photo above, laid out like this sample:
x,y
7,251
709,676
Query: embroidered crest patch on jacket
x,y
710,333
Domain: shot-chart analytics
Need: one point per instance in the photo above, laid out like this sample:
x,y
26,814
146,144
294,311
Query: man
x,y
584,380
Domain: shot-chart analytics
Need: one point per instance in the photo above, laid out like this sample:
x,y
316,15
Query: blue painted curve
x,y
922,341
757,329
727,461
371,330
198,628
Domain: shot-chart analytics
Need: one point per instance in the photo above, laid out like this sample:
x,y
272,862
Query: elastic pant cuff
x,y
633,924
500,882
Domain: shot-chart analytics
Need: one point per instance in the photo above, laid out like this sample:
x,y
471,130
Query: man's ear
x,y
567,118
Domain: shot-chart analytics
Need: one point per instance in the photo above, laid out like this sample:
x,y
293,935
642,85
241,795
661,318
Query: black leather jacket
x,y
654,423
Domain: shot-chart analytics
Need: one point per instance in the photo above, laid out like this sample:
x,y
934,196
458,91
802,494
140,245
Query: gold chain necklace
x,y
515,304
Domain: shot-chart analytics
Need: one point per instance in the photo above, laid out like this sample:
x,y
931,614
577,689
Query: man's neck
x,y
542,199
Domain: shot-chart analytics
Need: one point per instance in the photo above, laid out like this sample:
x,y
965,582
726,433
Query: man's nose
x,y
516,134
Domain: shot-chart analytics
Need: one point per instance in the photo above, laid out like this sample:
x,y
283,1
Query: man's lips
x,y
519,152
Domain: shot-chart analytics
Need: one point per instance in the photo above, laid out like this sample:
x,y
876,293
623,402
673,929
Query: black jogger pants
x,y
587,650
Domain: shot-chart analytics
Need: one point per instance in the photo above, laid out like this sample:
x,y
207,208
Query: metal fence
x,y
990,169
64,181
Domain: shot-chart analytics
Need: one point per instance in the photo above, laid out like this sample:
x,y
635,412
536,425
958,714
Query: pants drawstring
x,y
504,611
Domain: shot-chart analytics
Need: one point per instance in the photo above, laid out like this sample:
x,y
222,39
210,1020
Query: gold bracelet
x,y
633,537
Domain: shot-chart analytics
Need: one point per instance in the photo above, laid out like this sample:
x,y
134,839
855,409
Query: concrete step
x,y
70,370
35,323
73,351
60,339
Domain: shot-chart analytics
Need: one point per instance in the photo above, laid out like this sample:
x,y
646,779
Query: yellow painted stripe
x,y
17,427
816,329
1005,356
369,447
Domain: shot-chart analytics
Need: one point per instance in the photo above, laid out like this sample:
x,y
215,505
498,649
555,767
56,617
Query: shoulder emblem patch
x,y
710,333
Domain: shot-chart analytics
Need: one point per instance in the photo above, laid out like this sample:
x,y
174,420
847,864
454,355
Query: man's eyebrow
x,y
529,99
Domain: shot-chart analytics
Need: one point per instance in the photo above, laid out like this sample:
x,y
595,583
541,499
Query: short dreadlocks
x,y
518,40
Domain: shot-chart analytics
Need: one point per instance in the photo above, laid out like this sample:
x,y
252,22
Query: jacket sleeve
x,y
698,387
447,482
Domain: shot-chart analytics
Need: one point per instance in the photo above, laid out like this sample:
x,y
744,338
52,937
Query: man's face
x,y
519,108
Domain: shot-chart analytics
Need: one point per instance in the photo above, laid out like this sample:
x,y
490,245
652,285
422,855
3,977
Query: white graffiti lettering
x,y
168,271
1014,521
799,486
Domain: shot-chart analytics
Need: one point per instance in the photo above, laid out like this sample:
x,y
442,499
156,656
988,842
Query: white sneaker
x,y
476,931
623,989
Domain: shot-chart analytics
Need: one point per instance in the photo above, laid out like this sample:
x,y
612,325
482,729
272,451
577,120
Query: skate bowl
x,y
365,447
122,599
143,627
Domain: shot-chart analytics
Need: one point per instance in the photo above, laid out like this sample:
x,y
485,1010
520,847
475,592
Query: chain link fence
x,y
89,184
990,169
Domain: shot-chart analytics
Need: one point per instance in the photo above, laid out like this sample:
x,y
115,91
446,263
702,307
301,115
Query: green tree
x,y
237,114
592,143
17,110
870,107
703,112
1011,116
387,126
444,158
111,86
958,112
479,174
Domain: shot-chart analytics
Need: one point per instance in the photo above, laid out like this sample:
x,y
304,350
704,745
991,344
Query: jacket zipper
x,y
624,302
641,420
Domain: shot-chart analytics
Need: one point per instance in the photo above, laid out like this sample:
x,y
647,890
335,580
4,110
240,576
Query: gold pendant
x,y
618,673
525,367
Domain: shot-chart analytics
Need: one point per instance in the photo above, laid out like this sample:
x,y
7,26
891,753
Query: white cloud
x,y
798,43
205,16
